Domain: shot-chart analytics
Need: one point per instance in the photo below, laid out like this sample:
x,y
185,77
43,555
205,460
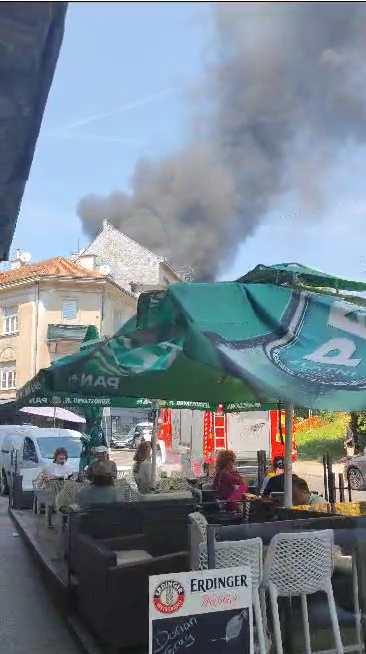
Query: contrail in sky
x,y
119,110
71,136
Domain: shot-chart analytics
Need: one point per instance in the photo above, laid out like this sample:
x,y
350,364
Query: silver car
x,y
355,471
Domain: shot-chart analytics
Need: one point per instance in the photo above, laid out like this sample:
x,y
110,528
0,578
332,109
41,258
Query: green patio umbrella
x,y
298,276
249,344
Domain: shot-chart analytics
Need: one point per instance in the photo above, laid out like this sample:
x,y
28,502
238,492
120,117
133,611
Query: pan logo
x,y
99,381
325,343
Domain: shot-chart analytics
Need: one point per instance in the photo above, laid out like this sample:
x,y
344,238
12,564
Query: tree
x,y
358,428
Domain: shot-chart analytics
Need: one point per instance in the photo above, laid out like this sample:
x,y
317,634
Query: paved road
x,y
312,471
29,624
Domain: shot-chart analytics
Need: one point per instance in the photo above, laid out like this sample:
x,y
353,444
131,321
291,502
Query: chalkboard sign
x,y
205,612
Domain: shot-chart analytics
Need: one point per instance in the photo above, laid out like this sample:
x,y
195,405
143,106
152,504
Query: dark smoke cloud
x,y
286,92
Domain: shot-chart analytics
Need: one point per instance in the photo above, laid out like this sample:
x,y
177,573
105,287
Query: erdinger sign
x,y
203,611
324,343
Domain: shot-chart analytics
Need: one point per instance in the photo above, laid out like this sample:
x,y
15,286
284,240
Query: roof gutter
x,y
81,280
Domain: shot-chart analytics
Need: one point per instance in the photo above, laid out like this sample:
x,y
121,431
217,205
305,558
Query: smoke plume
x,y
285,92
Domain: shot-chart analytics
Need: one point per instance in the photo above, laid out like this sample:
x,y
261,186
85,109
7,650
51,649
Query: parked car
x,y
355,471
34,448
121,442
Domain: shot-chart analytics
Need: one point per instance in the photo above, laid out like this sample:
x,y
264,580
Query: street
x,y
312,472
29,623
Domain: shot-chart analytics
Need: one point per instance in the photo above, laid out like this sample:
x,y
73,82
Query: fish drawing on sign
x,y
233,627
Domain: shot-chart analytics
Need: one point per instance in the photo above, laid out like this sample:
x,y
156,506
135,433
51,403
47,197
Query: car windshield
x,y
48,446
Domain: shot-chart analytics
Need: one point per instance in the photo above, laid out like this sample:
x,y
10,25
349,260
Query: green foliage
x,y
328,437
328,417
302,413
358,422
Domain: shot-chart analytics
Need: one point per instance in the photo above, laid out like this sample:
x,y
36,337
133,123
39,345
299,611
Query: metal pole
x,y
334,488
288,456
330,473
154,440
342,497
349,489
325,478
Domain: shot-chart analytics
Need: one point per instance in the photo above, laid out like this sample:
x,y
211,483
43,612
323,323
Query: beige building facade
x,y
45,309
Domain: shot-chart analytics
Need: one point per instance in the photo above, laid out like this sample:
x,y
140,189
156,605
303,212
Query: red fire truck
x,y
205,433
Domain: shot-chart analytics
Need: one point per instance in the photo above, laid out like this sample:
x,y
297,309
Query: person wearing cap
x,y
101,454
101,490
275,483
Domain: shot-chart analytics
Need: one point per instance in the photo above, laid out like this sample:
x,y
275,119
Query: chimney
x,y
88,261
17,261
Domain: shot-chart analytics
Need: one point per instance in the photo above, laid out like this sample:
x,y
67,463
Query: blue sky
x,y
119,92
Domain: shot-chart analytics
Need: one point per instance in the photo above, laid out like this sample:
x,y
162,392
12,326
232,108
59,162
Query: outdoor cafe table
x,y
347,520
350,509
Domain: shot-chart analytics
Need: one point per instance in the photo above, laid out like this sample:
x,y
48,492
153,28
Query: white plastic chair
x,y
300,564
230,554
198,524
197,536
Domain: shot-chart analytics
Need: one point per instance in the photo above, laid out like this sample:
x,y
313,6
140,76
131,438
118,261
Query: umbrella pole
x,y
288,456
54,416
154,439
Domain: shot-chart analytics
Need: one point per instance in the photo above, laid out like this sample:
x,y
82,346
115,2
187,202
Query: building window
x,y
69,310
10,320
7,376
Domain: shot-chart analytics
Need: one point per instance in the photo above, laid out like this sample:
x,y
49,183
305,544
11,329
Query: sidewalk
x,y
29,624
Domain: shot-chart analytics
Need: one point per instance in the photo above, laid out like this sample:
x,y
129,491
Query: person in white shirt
x,y
58,468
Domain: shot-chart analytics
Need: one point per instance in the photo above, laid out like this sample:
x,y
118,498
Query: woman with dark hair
x,y
142,468
228,483
101,490
58,468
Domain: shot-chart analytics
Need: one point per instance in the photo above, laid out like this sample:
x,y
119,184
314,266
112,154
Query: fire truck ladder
x,y
219,431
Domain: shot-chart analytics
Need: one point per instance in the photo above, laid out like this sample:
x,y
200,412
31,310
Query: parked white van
x,y
34,449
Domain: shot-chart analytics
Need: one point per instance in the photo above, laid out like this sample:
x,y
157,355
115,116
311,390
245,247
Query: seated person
x,y
142,468
58,468
228,483
101,454
275,484
301,494
101,489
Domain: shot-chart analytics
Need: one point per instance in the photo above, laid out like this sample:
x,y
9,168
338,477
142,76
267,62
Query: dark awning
x,y
57,333
31,34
